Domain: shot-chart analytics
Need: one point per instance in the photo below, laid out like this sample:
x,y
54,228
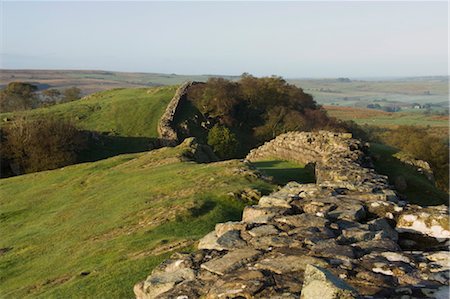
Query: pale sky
x,y
291,39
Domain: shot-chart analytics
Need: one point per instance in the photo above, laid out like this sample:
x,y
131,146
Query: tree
x,y
223,141
53,95
72,94
40,144
18,96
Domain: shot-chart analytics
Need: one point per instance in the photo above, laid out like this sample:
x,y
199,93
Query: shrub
x,y
18,96
42,144
223,141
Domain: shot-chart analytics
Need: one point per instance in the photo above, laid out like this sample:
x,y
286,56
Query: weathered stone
x,y
231,240
256,214
303,220
329,248
268,242
395,257
162,282
222,228
287,264
272,201
263,230
243,284
431,221
210,242
382,225
352,212
230,261
377,245
320,283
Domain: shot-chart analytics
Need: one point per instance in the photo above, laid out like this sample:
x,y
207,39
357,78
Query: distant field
x,y
387,119
93,230
359,93
126,118
356,93
93,81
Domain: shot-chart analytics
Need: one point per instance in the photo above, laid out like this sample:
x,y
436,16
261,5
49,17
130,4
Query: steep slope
x,y
93,229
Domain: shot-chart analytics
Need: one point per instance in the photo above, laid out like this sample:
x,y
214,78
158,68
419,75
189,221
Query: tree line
x,y
17,96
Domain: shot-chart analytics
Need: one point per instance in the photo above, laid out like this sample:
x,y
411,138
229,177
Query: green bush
x,y
223,141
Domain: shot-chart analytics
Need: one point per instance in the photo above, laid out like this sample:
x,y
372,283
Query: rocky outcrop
x,y
167,133
338,238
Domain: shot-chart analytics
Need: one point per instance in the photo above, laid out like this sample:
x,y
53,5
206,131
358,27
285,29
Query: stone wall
x,y
339,238
167,132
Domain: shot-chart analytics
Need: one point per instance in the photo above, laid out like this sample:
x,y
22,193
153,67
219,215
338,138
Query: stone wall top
x,y
166,130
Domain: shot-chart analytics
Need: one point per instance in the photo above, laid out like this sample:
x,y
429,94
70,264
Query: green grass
x,y
106,218
284,172
419,189
126,118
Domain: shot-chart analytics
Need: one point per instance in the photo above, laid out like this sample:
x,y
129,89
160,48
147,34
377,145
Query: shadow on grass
x,y
419,189
101,146
284,172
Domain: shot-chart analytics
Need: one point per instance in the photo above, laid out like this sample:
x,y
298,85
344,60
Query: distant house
x,y
417,106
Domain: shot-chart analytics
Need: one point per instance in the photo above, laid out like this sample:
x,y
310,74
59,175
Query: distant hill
x,y
121,120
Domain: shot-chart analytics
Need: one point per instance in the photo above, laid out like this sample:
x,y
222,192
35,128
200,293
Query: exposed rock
x,y
230,261
210,242
431,221
264,230
320,283
222,228
290,263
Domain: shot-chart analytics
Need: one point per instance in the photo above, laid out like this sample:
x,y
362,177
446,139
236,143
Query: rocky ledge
x,y
347,236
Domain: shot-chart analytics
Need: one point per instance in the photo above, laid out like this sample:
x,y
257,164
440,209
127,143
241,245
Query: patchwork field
x,y
387,119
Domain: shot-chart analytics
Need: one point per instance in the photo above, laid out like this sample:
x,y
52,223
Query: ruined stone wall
x,y
166,130
342,237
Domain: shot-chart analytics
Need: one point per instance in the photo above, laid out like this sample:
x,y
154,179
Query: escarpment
x,y
346,236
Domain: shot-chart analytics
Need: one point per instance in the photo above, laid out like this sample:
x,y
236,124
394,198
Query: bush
x,y
223,141
42,144
18,96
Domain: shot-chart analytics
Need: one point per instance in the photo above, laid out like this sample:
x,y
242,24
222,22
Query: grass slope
x,y
284,172
419,190
127,118
93,230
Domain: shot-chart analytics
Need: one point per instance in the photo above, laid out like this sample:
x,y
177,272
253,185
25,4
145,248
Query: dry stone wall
x,y
167,132
339,238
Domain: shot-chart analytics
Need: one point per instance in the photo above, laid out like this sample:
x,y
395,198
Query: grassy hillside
x,y
93,230
125,118
419,190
